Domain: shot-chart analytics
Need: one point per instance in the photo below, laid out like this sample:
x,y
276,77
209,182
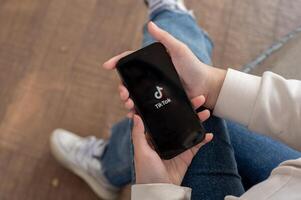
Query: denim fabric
x,y
213,173
117,159
257,155
182,26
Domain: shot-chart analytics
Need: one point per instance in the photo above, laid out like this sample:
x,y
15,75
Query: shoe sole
x,y
95,186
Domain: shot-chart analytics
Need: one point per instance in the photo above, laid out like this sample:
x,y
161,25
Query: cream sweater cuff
x,y
160,191
237,97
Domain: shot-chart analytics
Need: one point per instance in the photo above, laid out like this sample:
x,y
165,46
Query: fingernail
x,y
210,135
152,24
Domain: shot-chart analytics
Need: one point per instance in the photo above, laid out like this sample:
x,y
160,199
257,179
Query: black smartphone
x,y
160,100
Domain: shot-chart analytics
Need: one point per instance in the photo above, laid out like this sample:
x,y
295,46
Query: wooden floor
x,y
50,75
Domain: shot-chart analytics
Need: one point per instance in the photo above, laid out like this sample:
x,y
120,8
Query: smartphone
x,y
160,100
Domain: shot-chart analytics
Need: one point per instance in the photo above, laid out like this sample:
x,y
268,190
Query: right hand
x,y
149,167
197,77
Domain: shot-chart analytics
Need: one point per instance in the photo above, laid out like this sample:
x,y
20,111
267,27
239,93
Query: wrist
x,y
216,79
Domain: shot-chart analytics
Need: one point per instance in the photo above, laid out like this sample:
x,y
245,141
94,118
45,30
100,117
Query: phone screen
x,y
160,100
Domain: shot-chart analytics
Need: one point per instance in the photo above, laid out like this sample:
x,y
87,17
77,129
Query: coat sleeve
x,y
160,192
270,105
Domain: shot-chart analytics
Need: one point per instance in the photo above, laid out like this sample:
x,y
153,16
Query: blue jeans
x,y
235,160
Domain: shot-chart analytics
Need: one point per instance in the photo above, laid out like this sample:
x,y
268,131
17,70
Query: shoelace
x,y
87,150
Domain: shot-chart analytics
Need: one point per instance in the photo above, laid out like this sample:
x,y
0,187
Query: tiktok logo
x,y
158,93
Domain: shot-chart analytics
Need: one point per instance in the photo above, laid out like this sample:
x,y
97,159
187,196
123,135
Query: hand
x,y
150,168
197,77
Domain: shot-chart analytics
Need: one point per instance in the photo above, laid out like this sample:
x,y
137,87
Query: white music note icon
x,y
158,94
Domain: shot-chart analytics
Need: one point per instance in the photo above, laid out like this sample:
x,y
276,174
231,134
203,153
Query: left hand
x,y
149,167
197,78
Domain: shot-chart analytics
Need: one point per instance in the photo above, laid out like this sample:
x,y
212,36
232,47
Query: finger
x,y
129,104
198,101
171,43
138,132
138,135
196,148
204,115
123,92
208,138
111,64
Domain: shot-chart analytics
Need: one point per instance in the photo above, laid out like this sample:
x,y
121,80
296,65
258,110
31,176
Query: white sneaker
x,y
79,155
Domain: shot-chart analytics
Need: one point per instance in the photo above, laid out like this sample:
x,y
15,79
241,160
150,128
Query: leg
x,y
257,155
117,159
213,173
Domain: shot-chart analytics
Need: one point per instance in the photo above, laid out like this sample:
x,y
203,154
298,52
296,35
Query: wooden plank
x,y
243,29
50,58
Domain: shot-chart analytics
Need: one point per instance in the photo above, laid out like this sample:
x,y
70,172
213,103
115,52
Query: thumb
x,y
139,139
172,44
